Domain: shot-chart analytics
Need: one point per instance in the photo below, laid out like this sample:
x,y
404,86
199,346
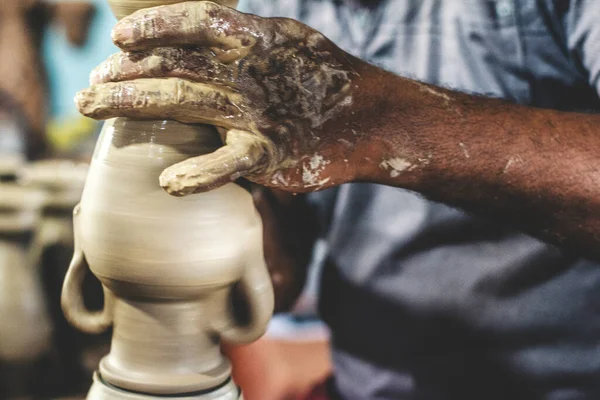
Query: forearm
x,y
535,169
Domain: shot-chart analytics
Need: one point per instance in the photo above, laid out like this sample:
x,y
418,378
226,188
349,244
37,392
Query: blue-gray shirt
x,y
424,301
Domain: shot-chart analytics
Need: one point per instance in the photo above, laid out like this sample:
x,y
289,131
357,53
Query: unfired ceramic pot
x,y
62,182
101,391
25,327
10,163
169,265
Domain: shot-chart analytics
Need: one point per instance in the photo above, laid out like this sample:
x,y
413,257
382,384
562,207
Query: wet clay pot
x,y
62,183
170,266
25,329
101,391
10,164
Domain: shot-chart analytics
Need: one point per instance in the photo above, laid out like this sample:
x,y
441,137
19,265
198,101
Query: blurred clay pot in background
x,y
170,266
9,166
62,182
25,330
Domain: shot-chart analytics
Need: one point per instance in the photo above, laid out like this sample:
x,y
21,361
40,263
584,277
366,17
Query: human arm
x,y
298,113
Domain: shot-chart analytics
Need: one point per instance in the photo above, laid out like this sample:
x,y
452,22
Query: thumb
x,y
241,154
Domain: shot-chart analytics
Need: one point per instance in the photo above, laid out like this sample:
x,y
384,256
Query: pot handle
x,y
71,298
257,290
49,233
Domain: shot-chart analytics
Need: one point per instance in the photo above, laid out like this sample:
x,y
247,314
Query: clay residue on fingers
x,y
195,64
189,177
198,23
238,157
169,98
125,7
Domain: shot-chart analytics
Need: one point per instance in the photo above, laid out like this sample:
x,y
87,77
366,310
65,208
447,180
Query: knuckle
x,y
208,8
155,63
114,66
181,88
127,96
243,162
121,96
200,12
106,70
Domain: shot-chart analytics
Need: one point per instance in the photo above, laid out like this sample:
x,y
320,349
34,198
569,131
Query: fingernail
x,y
84,101
178,181
172,186
122,33
95,76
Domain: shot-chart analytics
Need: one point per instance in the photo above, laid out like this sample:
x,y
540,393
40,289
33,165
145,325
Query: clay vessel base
x,y
101,390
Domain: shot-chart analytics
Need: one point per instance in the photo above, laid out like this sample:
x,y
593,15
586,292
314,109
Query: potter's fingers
x,y
242,153
169,98
198,23
198,65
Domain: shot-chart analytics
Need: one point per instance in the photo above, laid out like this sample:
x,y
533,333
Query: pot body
x,y
25,331
168,264
139,240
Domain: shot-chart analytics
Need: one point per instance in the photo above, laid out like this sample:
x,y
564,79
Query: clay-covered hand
x,y
282,95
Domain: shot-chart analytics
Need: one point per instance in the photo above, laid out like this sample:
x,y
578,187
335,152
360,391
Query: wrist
x,y
391,146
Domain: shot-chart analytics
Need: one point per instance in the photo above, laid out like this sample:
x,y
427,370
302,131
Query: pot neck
x,y
190,139
150,146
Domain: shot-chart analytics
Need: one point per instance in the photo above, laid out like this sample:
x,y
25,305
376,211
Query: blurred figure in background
x,y
22,73
424,301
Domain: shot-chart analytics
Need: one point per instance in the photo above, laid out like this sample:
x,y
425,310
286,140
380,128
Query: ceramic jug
x,y
170,266
62,182
10,163
25,327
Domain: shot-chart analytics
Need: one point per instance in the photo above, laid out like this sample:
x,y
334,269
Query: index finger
x,y
190,23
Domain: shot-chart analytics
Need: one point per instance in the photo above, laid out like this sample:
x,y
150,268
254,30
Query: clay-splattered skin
x,y
275,88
